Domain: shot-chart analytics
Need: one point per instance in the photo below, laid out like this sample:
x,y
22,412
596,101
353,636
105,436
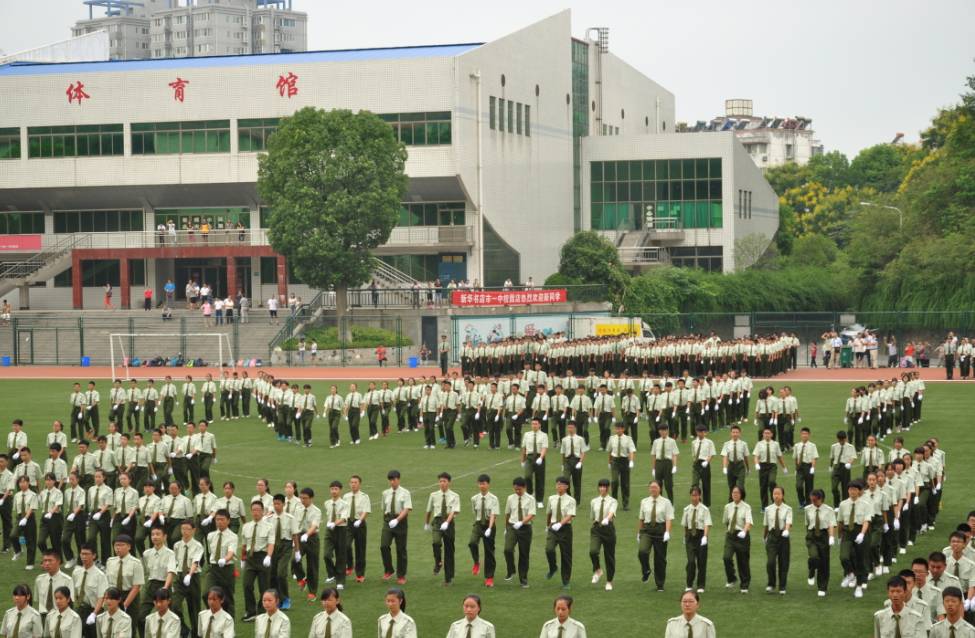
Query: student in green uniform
x,y
188,553
486,508
573,448
519,512
737,520
561,511
442,508
397,505
841,458
820,537
734,454
702,451
222,545
653,534
805,454
257,549
778,528
336,514
534,449
767,454
854,520
696,521
602,533
311,549
622,454
665,452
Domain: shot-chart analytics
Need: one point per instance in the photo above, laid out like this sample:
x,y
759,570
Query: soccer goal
x,y
169,349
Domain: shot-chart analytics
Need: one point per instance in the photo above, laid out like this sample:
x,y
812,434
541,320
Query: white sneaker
x,y
902,551
70,564
541,505
596,577
340,587
885,570
769,590
700,590
821,594
609,586
744,591
810,581
858,593
15,556
29,567
910,544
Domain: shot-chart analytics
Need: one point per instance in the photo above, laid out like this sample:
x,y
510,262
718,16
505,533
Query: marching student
x,y
767,454
90,584
486,508
215,622
734,456
820,537
92,422
257,550
188,392
602,533
332,413
429,416
149,405
125,507
471,625
573,449
805,455
563,625
352,411
78,412
159,563
442,508
360,506
336,514
395,623
493,410
309,543
449,402
99,516
331,622
737,520
209,392
778,527
168,395
702,451
50,502
561,510
397,505
897,620
689,623
604,407
125,572
222,547
622,454
514,414
653,534
75,518
372,400
519,511
188,556
854,521
534,448
841,458
665,452
284,535
113,621
953,624
57,435
696,521
581,408
118,398
273,623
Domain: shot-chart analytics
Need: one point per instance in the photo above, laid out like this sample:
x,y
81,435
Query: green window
x,y
217,218
528,120
252,135
269,270
74,141
520,115
432,214
492,111
21,223
421,129
511,116
97,221
626,195
9,143
95,273
163,138
501,114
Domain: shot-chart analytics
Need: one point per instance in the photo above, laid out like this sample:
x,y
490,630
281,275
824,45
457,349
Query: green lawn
x,y
248,451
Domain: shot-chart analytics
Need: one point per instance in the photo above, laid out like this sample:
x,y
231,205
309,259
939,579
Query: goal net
x,y
169,350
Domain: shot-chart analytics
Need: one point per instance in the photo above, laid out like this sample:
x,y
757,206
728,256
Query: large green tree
x,y
589,258
334,181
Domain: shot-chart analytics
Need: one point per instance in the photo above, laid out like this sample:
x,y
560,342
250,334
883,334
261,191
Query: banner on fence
x,y
11,243
507,297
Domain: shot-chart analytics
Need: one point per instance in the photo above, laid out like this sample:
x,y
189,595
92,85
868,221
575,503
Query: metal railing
x,y
54,250
179,238
430,235
643,255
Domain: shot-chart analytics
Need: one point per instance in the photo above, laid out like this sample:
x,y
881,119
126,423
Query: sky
x,y
863,70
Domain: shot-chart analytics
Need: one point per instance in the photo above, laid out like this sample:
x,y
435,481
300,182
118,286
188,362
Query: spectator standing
x,y
5,312
508,284
161,233
374,293
171,231
245,307
837,344
301,350
272,309
218,311
241,234
871,342
191,293
530,284
381,355
147,299
207,314
438,291
909,354
314,350
108,297
170,289
416,294
228,309
891,351
205,292
205,230
949,349
429,286
813,350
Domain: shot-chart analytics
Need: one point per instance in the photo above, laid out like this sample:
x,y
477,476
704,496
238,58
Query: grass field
x,y
247,451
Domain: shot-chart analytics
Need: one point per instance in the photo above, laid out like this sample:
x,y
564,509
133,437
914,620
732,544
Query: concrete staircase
x,y
42,266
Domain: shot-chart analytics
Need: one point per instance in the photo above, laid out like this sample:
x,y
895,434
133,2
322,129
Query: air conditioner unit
x,y
764,158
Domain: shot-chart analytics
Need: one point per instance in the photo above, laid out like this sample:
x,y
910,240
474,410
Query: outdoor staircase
x,y
41,266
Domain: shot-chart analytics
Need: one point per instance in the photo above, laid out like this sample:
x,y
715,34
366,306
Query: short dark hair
x,y
483,478
952,592
443,475
519,482
392,474
896,582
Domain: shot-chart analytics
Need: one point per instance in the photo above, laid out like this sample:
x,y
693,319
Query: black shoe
x,y
646,576
549,575
436,568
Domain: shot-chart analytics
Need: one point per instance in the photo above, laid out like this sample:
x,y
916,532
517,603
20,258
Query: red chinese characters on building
x,y
287,85
179,88
76,91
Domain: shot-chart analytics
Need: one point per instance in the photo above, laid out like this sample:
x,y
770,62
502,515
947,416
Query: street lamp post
x,y
900,213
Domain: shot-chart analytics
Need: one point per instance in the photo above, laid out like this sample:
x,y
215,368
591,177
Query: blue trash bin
x,y
413,362
85,362
5,362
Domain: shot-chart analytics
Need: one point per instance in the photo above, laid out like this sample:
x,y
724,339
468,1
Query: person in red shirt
x,y
381,355
147,299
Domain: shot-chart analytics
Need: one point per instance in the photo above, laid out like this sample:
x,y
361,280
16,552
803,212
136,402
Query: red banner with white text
x,y
506,297
24,243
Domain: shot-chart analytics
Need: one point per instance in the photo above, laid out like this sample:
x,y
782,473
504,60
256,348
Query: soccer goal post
x,y
169,349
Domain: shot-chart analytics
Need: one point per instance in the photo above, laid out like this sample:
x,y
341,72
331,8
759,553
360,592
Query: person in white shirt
x,y
62,621
273,623
471,625
395,623
563,625
331,622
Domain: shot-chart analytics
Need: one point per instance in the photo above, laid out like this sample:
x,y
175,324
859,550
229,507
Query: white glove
x,y
477,415
127,520
189,456
192,401
742,534
673,470
704,463
609,466
162,519
845,421
579,465
653,473
785,533
688,411
437,418
357,523
206,521
758,466
444,526
517,524
556,527
724,470
186,580
968,604
70,517
97,516
138,407
707,407
658,418
860,421
915,499
2,501
631,465
604,522
886,528
920,397
704,541
147,524
223,561
859,539
785,470
812,470
154,478
215,460
897,523
832,541
612,420
592,419
298,556
937,489
23,521
487,533
90,620
329,525
155,409
426,527
172,455
847,465
907,505
496,417
304,538
16,455
47,516
393,523
638,537
539,461
738,400
666,536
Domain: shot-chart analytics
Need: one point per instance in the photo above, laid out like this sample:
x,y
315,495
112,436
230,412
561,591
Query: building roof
x,y
341,55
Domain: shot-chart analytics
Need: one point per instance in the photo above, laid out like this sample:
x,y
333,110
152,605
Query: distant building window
x,y
97,221
21,223
528,120
75,141
432,214
252,135
511,116
492,111
501,114
421,129
159,138
9,143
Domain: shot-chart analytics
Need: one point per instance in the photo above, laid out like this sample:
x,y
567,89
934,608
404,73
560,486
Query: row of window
x,y
97,221
708,258
640,215
519,116
661,190
194,218
21,223
636,170
95,273
211,136
440,214
744,204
